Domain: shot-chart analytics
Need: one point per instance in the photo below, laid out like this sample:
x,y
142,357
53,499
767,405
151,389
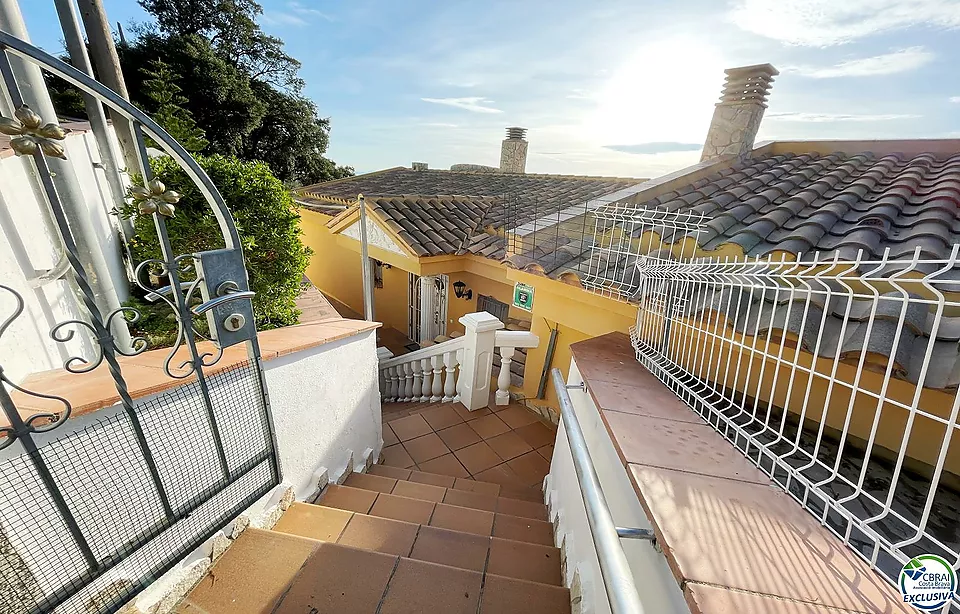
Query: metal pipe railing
x,y
614,569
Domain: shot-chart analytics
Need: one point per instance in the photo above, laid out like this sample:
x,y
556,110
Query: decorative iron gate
x,y
94,510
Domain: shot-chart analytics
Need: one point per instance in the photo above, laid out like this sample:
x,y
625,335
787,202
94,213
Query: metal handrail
x,y
614,569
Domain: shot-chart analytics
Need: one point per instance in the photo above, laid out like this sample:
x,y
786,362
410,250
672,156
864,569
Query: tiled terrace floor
x,y
507,445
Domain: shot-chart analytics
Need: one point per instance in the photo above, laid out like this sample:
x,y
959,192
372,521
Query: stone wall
x,y
733,130
513,156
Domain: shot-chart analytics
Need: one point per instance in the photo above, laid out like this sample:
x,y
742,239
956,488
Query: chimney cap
x,y
748,85
516,133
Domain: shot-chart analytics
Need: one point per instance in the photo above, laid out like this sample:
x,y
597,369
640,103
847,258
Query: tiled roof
x,y
414,203
837,203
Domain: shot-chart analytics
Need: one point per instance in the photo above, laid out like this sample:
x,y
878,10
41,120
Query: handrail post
x,y
617,576
479,340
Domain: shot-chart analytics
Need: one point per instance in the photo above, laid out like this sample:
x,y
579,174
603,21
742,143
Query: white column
x,y
407,382
480,331
436,393
427,380
450,385
503,380
417,381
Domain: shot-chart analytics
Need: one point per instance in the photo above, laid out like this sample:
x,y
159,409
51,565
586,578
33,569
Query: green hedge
x,y
268,223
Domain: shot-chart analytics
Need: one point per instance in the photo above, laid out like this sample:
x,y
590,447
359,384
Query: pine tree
x,y
160,87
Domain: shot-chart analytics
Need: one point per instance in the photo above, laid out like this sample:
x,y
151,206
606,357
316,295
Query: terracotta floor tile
x,y
472,500
338,579
644,395
390,472
434,479
368,481
522,493
489,426
515,416
501,595
425,448
756,538
524,509
313,521
508,445
523,529
669,444
424,492
502,475
441,417
273,559
468,415
453,548
402,508
445,465
531,467
459,436
389,437
484,488
396,456
546,452
525,561
380,534
704,599
346,498
410,427
477,457
537,434
418,586
478,522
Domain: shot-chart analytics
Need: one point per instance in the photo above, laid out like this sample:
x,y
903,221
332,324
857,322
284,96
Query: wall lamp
x,y
460,290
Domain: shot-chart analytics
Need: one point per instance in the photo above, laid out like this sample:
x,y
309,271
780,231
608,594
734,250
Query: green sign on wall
x,y
523,296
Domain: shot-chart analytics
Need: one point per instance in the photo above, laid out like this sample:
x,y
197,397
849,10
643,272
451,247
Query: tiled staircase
x,y
399,540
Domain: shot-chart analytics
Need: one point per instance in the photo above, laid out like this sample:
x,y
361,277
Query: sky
x,y
606,87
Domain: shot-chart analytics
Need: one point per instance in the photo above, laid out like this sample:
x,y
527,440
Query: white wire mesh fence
x,y
837,377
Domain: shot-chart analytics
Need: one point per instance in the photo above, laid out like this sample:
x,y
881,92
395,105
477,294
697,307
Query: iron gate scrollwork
x,y
93,511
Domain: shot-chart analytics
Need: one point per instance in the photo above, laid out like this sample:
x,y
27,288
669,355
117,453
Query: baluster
x,y
391,384
503,380
436,393
407,382
417,381
427,380
450,385
459,372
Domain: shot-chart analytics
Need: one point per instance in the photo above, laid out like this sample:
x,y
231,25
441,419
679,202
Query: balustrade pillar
x,y
503,380
436,392
450,385
427,370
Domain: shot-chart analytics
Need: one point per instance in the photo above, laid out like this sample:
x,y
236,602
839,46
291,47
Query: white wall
x,y
29,243
657,588
326,406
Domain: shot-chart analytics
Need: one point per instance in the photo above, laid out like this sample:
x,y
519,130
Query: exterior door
x,y
428,307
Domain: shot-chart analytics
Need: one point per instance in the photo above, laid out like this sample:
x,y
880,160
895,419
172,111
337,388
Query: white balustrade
x,y
459,369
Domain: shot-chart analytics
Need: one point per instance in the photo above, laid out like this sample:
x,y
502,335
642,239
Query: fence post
x,y
479,338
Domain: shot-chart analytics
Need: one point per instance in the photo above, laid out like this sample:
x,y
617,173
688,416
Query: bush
x,y
267,221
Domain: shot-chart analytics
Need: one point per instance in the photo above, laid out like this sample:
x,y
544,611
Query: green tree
x,y
267,220
161,88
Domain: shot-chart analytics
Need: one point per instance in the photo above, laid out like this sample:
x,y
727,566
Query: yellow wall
x,y
334,269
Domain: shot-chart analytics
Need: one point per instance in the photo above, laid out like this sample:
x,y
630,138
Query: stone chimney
x,y
419,166
737,117
513,152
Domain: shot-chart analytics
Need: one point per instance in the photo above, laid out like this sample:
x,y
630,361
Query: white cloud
x,y
822,23
295,15
837,117
904,60
475,104
955,99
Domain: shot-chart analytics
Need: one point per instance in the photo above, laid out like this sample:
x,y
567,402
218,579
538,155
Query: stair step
x,y
443,515
425,542
451,496
250,575
524,493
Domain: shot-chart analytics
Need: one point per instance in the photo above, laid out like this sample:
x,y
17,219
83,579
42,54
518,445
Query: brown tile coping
x,y
144,373
733,539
